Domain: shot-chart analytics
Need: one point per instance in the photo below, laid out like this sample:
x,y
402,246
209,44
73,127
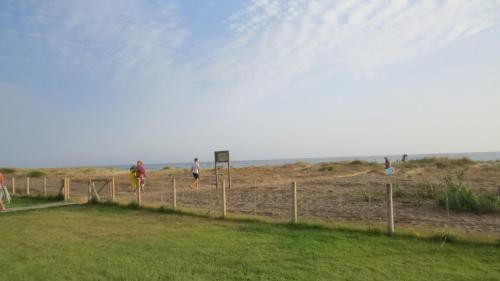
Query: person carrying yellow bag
x,y
133,178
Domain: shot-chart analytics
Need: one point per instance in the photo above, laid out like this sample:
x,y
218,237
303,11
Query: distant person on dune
x,y
195,170
140,173
405,157
2,179
387,165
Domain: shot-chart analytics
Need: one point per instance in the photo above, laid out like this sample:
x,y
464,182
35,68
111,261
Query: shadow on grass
x,y
39,198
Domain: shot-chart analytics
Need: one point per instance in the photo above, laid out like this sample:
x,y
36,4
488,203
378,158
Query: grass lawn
x,y
25,201
113,243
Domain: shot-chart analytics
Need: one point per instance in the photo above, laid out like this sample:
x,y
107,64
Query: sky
x,y
90,82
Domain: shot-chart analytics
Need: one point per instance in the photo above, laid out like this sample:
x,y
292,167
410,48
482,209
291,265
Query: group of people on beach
x,y
138,177
138,174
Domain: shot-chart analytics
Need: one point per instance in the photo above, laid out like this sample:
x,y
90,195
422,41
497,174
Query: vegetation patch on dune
x,y
441,162
7,170
35,174
460,197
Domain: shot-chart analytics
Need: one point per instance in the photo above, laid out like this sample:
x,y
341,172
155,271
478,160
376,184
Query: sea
x,y
477,156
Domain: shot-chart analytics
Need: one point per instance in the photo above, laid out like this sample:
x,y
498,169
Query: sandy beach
x,y
339,193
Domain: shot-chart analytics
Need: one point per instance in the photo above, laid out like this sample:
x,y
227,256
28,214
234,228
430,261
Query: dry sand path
x,y
353,175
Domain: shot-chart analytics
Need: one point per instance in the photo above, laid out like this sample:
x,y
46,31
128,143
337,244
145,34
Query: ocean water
x,y
478,156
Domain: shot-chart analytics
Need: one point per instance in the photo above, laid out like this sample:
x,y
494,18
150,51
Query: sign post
x,y
222,157
389,171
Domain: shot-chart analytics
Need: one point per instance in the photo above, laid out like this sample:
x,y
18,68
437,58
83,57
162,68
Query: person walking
x,y
388,169
132,177
405,157
140,174
2,179
387,163
195,170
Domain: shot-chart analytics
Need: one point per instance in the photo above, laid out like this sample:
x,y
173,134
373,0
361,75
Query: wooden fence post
x,y
113,189
45,186
28,186
89,198
223,198
65,188
229,172
68,187
13,185
216,177
139,195
255,201
390,210
294,205
174,195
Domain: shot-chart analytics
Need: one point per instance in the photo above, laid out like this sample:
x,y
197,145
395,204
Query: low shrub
x,y
441,162
459,197
426,191
397,192
7,170
327,167
35,174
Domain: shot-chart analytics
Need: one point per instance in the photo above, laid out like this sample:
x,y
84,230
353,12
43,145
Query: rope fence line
x,y
293,201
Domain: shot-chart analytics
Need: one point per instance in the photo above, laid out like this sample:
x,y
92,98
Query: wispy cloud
x,y
269,44
278,42
117,37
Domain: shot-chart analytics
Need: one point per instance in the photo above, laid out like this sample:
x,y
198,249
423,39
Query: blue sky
x,y
109,82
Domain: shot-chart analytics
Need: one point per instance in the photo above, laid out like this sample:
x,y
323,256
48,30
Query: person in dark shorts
x,y
387,163
195,170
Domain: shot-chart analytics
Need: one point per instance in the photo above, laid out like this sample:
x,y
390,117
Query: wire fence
x,y
416,206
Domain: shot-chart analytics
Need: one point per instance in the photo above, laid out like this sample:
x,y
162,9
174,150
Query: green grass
x,y
25,201
116,243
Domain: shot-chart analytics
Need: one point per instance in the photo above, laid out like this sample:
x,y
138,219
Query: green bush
x,y
7,170
426,191
459,197
327,167
397,192
36,174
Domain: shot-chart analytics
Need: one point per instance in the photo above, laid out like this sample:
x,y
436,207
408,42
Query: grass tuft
x,y
459,197
35,174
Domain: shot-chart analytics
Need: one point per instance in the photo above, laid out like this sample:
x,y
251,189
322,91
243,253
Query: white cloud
x,y
271,44
120,38
278,42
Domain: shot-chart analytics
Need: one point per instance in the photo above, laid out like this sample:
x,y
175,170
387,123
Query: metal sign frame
x,y
222,156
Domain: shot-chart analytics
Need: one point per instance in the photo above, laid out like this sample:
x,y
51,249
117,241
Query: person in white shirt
x,y
195,169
